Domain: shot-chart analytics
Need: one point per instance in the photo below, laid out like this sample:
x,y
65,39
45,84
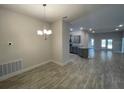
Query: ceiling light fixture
x,y
81,28
121,25
71,29
93,31
45,32
116,29
90,29
39,32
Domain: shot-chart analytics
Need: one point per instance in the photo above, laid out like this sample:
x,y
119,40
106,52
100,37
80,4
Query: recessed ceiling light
x,y
90,29
93,31
71,29
116,29
81,28
121,25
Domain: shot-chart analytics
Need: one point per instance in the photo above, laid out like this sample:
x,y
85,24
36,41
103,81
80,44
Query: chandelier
x,y
45,32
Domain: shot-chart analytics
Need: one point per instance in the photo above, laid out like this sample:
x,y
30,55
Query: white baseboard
x,y
21,71
71,60
60,63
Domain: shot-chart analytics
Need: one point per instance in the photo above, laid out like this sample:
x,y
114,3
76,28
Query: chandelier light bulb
x,y
49,32
39,32
45,31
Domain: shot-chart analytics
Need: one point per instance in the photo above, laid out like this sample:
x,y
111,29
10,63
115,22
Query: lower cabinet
x,y
82,52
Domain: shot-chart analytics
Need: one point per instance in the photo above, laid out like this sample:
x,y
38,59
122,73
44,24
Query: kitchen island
x,y
80,51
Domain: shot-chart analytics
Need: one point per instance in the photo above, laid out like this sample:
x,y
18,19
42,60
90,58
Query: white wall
x,y
65,44
60,42
57,41
21,30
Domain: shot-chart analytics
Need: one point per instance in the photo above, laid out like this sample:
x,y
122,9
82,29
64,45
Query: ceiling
x,y
100,17
53,11
105,19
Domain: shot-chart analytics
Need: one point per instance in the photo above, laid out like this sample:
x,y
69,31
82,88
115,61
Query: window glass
x,y
92,42
109,45
103,43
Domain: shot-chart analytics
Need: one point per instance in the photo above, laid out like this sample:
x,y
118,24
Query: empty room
x,y
61,46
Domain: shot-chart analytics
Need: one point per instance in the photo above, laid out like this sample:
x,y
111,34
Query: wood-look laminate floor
x,y
105,70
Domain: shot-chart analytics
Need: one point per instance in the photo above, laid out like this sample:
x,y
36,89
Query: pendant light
x,y
45,32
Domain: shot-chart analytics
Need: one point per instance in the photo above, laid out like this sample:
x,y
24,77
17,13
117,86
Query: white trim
x,y
71,60
21,71
60,63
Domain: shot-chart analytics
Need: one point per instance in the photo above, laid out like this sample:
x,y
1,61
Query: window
x,y
103,43
109,45
92,42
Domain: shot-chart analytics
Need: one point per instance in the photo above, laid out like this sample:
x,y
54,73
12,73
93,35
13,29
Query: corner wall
x,y
57,41
65,38
60,42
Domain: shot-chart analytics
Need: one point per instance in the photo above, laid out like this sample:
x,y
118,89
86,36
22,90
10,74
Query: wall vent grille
x,y
10,67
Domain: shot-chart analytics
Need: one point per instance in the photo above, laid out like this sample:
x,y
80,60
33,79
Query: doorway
x,y
107,44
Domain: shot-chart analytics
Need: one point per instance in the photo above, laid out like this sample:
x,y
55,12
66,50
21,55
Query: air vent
x,y
10,67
